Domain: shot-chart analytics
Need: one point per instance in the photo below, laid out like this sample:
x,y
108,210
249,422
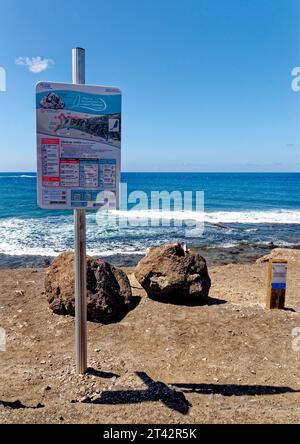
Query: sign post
x,y
78,76
276,284
78,164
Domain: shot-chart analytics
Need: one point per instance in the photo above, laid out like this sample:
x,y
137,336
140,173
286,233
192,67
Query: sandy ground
x,y
230,361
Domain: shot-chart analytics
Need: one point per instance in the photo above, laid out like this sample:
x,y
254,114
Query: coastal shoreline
x,y
240,254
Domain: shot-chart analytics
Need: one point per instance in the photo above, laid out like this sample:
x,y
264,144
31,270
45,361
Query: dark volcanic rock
x,y
109,294
171,271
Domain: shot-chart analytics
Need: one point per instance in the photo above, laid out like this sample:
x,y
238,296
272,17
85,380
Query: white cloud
x,y
35,64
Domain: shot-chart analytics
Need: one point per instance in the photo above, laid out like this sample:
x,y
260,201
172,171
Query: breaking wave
x,y
219,217
48,236
18,176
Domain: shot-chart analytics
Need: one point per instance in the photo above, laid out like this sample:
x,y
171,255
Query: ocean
x,y
241,211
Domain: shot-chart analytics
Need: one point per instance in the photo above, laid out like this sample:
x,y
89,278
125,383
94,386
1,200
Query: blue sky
x,y
206,83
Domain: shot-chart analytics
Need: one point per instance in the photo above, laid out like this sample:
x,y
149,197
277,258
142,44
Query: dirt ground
x,y
230,361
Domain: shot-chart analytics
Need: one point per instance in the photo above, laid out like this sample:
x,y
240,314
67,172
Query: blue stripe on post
x,y
278,286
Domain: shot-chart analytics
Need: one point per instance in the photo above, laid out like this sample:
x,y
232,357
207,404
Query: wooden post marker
x,y
276,284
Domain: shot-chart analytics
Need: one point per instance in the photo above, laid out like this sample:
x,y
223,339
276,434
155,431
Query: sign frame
x,y
78,132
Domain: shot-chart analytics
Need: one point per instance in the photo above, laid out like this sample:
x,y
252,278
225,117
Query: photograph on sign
x,y
78,144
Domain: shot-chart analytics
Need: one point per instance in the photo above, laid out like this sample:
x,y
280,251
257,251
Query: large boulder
x,y
174,273
109,294
288,254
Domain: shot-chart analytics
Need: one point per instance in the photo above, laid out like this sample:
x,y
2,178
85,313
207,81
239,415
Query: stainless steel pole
x,y
78,73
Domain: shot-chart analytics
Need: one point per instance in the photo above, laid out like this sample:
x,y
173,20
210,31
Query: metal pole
x,y
78,74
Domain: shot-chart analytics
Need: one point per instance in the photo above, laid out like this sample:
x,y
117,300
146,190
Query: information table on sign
x,y
78,144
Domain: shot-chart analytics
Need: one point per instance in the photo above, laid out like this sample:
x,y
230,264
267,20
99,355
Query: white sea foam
x,y
50,252
219,217
52,234
163,215
18,175
254,217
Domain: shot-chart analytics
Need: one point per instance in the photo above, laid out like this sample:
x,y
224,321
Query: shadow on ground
x,y
233,389
156,391
179,300
100,374
18,405
173,396
135,300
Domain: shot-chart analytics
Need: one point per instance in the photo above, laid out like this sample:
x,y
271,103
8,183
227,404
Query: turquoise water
x,y
239,208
